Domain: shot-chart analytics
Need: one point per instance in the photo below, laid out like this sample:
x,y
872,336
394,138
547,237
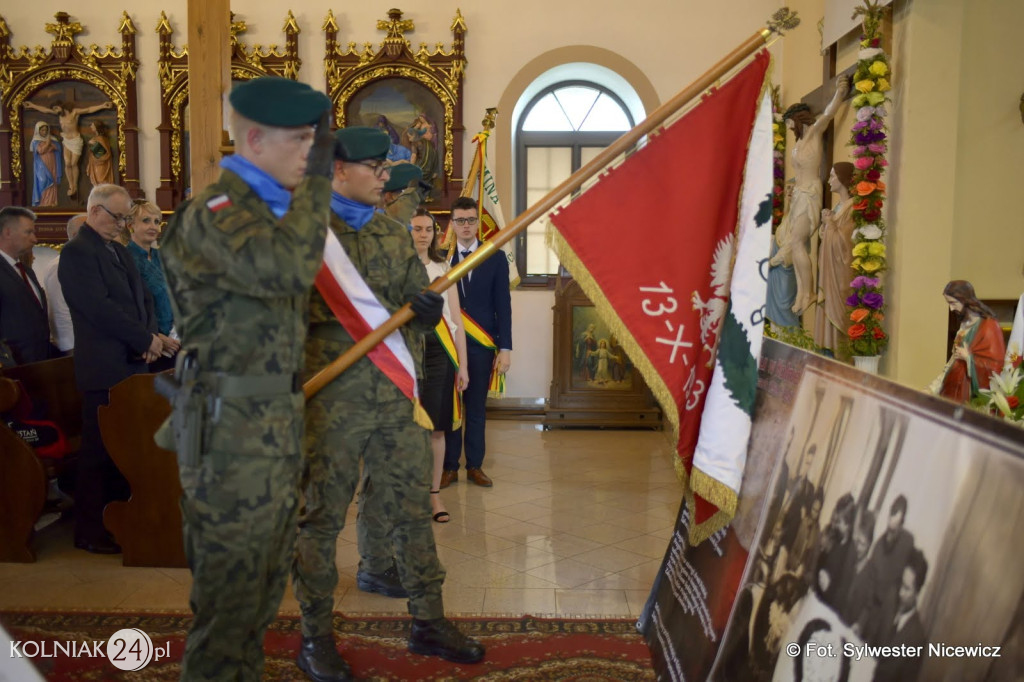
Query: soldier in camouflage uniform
x,y
400,198
362,415
240,258
403,192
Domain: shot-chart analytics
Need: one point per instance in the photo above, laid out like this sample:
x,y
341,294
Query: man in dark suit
x,y
24,325
115,337
485,299
905,630
888,559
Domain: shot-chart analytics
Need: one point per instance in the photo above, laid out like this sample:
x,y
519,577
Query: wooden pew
x,y
23,477
22,486
148,525
52,383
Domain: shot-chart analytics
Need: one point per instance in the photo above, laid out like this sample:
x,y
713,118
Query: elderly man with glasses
x,y
115,337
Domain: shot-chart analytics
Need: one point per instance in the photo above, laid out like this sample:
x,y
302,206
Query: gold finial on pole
x,y
488,122
784,19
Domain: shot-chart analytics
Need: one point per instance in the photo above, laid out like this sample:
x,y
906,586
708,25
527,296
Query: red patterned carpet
x,y
524,648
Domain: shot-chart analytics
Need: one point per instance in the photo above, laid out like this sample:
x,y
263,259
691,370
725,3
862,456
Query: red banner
x,y
652,244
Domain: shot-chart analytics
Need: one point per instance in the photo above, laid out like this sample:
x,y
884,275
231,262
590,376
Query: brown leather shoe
x,y
449,476
479,477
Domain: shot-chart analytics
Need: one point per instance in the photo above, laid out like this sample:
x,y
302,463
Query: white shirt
x,y
463,256
901,619
60,316
435,270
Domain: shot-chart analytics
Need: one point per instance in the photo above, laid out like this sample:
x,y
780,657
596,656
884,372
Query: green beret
x,y
401,175
360,143
279,102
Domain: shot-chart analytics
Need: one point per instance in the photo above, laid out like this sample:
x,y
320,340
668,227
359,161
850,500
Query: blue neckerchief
x,y
354,213
266,188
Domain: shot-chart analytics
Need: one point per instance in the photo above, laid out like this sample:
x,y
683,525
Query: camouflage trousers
x,y
363,416
239,516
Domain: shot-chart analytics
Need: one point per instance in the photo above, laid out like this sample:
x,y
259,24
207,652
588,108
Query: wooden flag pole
x,y
782,20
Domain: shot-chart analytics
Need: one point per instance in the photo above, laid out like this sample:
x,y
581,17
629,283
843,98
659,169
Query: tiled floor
x,y
576,524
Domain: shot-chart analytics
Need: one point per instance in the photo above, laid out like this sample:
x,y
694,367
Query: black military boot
x,y
440,637
386,583
320,660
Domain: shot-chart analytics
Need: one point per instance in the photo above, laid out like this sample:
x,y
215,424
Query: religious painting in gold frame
x,y
599,360
246,63
593,381
414,96
72,122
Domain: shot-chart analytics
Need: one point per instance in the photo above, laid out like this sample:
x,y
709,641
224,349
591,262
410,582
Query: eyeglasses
x,y
118,218
464,221
379,168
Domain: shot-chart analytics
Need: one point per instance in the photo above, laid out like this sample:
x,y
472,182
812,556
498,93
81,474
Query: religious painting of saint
x,y
412,116
598,359
69,130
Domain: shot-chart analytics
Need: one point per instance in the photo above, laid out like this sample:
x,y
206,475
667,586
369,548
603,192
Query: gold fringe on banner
x,y
655,382
698,482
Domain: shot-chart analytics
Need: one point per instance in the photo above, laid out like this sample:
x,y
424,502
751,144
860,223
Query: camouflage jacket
x,y
403,208
239,279
383,253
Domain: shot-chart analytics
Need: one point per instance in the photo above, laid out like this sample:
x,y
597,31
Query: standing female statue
x,y
47,165
834,273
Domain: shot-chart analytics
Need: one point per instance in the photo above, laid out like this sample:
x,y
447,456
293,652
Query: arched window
x,y
560,129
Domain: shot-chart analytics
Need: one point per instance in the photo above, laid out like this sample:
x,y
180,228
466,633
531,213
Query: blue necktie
x,y
465,280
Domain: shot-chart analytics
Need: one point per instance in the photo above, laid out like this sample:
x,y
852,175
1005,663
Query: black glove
x,y
321,155
428,306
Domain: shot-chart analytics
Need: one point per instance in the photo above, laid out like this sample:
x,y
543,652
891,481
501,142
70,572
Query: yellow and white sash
x,y
444,335
496,386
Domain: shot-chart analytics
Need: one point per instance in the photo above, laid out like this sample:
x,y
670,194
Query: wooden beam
x,y
209,79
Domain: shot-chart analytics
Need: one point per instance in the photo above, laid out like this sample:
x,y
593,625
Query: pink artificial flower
x,y
876,147
882,162
864,162
864,113
860,150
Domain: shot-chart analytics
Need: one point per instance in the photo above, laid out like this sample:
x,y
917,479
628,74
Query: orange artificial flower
x,y
861,205
881,185
858,315
878,333
856,331
878,316
865,188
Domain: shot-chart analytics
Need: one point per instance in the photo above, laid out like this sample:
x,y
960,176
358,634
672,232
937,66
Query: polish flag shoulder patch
x,y
218,203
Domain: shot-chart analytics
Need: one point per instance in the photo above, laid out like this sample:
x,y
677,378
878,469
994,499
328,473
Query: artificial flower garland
x,y
778,161
869,141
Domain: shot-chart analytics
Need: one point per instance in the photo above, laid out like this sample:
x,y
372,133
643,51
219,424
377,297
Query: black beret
x,y
279,102
359,143
401,175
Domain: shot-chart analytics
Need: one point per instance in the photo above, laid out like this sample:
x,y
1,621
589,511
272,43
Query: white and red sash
x,y
354,304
